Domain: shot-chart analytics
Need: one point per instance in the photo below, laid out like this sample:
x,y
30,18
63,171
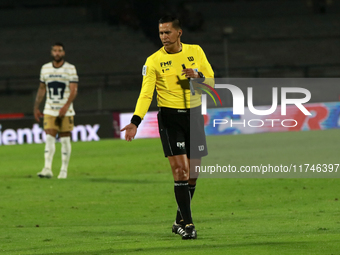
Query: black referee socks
x,y
183,200
191,191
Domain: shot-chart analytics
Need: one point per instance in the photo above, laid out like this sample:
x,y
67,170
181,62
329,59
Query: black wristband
x,y
136,120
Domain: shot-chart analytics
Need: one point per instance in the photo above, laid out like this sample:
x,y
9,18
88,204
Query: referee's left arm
x,y
205,68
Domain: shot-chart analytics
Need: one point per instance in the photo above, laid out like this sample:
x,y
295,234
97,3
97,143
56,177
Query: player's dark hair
x,y
59,44
169,18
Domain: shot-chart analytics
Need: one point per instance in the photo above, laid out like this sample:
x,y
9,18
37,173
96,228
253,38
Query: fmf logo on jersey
x,y
165,64
37,135
238,103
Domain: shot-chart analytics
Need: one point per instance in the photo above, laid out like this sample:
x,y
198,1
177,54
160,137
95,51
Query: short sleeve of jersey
x,y
73,75
42,79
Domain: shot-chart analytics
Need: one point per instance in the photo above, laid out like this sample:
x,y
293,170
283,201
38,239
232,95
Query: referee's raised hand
x,y
130,131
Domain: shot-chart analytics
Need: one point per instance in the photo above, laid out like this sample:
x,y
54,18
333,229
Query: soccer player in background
x,y
164,71
60,80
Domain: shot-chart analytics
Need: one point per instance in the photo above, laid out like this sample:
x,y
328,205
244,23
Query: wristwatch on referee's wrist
x,y
200,75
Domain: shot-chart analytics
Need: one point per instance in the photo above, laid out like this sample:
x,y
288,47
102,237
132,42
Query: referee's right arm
x,y
146,93
144,100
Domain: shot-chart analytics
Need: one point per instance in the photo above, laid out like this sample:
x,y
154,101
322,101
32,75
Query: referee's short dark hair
x,y
173,19
58,44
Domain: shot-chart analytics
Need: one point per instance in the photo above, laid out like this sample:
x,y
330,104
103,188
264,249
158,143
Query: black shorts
x,y
176,135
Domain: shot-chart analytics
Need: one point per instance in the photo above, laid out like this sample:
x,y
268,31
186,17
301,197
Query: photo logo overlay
x,y
267,105
205,87
238,99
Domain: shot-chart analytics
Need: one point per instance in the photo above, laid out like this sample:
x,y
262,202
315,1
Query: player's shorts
x,y
64,124
177,137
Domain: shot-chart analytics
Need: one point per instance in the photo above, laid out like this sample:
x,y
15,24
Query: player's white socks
x,y
49,151
65,152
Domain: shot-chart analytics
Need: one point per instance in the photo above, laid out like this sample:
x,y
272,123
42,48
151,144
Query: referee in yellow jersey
x,y
168,70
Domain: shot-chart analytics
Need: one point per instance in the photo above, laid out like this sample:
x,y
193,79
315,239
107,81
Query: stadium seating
x,y
268,40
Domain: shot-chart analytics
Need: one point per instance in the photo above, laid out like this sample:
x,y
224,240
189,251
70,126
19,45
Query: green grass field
x,y
118,199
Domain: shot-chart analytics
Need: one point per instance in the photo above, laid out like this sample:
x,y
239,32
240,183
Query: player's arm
x,y
40,96
144,100
73,94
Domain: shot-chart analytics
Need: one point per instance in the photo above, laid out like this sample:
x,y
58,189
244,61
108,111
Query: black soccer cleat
x,y
190,232
178,228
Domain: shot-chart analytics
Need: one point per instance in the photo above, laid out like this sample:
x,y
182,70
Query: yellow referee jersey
x,y
164,71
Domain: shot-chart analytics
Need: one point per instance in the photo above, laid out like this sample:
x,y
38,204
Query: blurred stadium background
x,y
109,41
104,207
